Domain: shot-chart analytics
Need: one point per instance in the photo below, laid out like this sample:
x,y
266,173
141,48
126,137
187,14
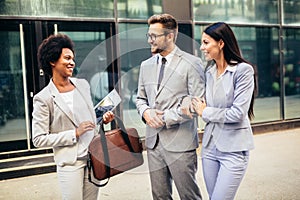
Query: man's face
x,y
157,38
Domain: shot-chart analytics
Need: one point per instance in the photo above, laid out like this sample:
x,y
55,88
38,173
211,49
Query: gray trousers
x,y
180,167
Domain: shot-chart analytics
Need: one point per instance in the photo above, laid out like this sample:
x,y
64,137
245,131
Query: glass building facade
x,y
110,44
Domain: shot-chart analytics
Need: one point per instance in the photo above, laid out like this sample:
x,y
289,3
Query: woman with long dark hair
x,y
227,110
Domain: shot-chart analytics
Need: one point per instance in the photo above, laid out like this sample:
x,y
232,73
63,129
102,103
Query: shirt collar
x,y
169,57
229,68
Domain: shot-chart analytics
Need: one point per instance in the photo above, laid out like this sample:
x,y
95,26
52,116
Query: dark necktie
x,y
161,73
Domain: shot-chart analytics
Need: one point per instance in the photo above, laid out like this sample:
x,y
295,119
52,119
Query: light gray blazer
x,y
226,114
183,76
53,123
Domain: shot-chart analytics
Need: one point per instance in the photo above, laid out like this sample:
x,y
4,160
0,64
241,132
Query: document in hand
x,y
108,103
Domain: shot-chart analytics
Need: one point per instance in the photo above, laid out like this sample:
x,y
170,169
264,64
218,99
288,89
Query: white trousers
x,y
74,183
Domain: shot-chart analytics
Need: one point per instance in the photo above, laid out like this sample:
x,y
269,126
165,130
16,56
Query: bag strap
x,y
124,133
89,166
106,158
105,150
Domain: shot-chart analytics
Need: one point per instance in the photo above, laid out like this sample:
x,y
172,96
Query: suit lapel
x,y
170,69
84,95
151,71
61,103
209,82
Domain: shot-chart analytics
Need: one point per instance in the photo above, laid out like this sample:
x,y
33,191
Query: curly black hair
x,y
50,50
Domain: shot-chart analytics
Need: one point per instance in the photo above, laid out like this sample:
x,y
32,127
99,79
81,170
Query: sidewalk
x,y
273,174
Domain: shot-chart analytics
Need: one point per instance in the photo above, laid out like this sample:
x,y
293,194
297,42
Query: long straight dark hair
x,y
221,31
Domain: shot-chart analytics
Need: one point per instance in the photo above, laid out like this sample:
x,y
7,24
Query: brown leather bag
x,y
113,152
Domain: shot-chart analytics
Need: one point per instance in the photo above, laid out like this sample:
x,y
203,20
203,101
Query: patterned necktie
x,y
161,73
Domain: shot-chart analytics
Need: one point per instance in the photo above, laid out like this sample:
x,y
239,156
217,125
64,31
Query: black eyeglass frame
x,y
153,37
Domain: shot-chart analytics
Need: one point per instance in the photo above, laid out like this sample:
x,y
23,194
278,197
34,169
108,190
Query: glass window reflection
x,y
58,8
236,11
139,9
78,8
12,111
133,50
291,9
291,71
91,61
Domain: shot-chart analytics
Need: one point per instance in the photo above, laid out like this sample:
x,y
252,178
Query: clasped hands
x,y
191,106
154,118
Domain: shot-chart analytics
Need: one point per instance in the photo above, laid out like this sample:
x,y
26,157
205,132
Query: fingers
x,y
108,117
186,111
159,112
88,125
84,127
157,122
203,101
153,118
196,99
186,107
198,104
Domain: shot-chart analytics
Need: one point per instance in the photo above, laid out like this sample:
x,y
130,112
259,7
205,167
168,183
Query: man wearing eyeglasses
x,y
171,140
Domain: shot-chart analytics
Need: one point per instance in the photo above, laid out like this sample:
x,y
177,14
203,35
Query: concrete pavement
x,y
273,174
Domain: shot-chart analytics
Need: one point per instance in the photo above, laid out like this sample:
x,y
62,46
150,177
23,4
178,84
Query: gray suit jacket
x,y
226,113
53,123
184,76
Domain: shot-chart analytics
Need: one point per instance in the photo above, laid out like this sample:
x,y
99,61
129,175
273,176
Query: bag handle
x,y
105,149
124,133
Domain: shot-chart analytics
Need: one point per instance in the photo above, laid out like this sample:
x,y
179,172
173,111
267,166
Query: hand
x,y
186,107
84,127
154,117
108,117
199,105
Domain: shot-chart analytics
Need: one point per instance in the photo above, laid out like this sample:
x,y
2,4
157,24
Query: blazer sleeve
x,y
243,89
41,131
195,81
142,103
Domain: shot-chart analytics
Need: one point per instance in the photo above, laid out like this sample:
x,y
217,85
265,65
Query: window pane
x,y
91,62
12,110
236,11
58,8
139,9
133,50
292,73
260,47
291,9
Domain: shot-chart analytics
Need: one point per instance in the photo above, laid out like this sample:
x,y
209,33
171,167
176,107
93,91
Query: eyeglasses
x,y
153,36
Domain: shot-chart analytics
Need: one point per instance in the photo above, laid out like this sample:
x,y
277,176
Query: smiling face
x,y
160,41
65,65
212,49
